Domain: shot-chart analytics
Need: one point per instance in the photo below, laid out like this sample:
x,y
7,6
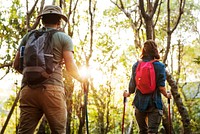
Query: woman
x,y
148,107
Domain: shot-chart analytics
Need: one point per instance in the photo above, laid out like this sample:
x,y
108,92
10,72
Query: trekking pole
x,y
124,110
85,86
169,116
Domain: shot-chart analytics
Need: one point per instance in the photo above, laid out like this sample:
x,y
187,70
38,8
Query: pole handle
x,y
124,110
125,98
168,99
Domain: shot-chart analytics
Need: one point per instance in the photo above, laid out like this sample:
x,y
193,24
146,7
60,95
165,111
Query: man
x,y
48,99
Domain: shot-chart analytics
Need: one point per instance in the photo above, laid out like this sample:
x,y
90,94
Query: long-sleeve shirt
x,y
143,101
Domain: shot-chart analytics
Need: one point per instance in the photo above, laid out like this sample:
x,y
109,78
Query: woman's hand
x,y
126,94
169,95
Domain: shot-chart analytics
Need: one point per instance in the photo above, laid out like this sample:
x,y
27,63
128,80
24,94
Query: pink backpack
x,y
145,77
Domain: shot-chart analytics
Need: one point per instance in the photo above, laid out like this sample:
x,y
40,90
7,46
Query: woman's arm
x,y
164,92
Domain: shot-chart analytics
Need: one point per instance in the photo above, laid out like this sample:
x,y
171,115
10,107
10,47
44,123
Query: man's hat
x,y
52,9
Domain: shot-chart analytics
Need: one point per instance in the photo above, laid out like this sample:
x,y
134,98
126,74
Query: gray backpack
x,y
38,57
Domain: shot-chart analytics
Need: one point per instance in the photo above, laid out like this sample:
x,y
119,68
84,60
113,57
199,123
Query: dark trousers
x,y
149,120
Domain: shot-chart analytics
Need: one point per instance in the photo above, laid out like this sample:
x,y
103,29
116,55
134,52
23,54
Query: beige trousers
x,y
49,101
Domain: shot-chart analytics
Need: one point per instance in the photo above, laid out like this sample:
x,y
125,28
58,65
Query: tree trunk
x,y
69,108
182,110
168,47
149,28
82,121
148,16
80,111
44,126
69,89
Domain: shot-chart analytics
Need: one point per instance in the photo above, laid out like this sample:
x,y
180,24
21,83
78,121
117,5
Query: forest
x,y
108,36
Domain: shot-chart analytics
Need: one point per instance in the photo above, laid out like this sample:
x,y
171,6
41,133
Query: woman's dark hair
x,y
51,19
150,50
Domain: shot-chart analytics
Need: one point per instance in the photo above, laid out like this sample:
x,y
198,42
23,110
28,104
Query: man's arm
x,y
71,66
16,62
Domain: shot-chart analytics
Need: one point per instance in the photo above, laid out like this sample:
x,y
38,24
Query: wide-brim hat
x,y
52,9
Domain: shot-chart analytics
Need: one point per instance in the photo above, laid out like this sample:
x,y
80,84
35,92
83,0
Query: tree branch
x,y
154,9
141,7
6,65
121,3
158,14
181,7
29,13
91,13
198,91
121,7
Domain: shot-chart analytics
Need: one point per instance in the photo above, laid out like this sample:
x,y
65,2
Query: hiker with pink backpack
x,y
148,83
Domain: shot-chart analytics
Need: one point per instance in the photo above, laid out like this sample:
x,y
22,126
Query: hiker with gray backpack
x,y
39,58
148,83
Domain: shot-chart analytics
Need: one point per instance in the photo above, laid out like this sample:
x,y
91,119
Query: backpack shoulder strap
x,y
30,33
49,37
50,34
139,61
138,65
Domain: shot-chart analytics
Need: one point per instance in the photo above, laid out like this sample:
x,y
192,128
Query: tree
x,y
182,110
